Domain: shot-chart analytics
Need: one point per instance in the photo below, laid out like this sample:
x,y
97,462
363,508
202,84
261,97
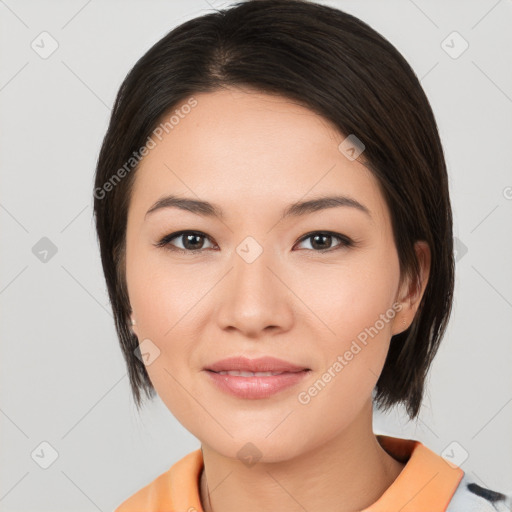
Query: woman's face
x,y
255,286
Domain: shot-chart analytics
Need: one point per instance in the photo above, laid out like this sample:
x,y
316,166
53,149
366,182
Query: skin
x,y
253,154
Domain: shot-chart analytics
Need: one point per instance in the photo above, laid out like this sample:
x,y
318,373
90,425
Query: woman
x,y
275,226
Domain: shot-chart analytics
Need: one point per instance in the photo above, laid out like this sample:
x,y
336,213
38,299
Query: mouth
x,y
255,378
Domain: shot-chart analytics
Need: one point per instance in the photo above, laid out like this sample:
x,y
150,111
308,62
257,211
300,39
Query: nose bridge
x,y
251,262
254,298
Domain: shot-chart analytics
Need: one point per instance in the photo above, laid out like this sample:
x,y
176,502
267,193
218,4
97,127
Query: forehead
x,y
240,147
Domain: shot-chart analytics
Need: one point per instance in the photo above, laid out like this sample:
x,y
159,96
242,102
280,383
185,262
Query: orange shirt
x,y
427,483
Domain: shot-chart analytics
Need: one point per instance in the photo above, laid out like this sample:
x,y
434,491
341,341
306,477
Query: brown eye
x,y
321,241
191,241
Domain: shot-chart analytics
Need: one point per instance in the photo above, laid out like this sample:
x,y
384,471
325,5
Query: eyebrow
x,y
301,208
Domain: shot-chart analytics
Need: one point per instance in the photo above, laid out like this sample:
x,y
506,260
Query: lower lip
x,y
256,387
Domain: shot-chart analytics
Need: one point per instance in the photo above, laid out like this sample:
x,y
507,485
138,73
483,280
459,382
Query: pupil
x,y
320,236
189,237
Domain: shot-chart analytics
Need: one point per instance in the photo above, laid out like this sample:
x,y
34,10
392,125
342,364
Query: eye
x,y
321,239
191,241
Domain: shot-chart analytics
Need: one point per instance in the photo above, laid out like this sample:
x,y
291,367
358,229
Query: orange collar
x,y
426,483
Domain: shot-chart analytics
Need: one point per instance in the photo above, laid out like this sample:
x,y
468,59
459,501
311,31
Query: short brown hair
x,y
339,67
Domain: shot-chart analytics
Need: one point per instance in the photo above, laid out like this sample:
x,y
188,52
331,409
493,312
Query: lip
x,y
260,364
255,387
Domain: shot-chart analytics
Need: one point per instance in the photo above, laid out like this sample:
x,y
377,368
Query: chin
x,y
257,445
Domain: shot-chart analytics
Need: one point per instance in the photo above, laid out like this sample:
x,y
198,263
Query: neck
x,y
347,473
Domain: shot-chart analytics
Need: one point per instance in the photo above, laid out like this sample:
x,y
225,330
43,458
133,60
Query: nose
x,y
254,298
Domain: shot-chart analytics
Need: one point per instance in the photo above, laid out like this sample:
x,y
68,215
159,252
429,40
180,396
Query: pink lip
x,y
261,364
257,386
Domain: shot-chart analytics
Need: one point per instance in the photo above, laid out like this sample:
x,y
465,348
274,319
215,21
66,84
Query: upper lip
x,y
261,364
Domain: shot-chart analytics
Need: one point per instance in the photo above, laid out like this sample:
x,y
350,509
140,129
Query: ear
x,y
412,290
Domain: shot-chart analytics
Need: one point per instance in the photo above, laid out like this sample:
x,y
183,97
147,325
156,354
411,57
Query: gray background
x,y
63,379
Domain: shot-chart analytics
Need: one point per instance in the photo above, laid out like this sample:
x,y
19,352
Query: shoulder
x,y
176,489
148,496
472,497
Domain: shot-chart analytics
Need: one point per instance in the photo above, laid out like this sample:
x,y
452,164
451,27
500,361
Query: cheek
x,y
164,304
168,303
353,353
161,292
355,307
350,296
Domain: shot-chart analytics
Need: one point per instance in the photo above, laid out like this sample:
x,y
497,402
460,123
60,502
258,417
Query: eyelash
x,y
165,242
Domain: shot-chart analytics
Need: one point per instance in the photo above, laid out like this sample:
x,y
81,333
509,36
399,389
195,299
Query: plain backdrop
x,y
65,399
